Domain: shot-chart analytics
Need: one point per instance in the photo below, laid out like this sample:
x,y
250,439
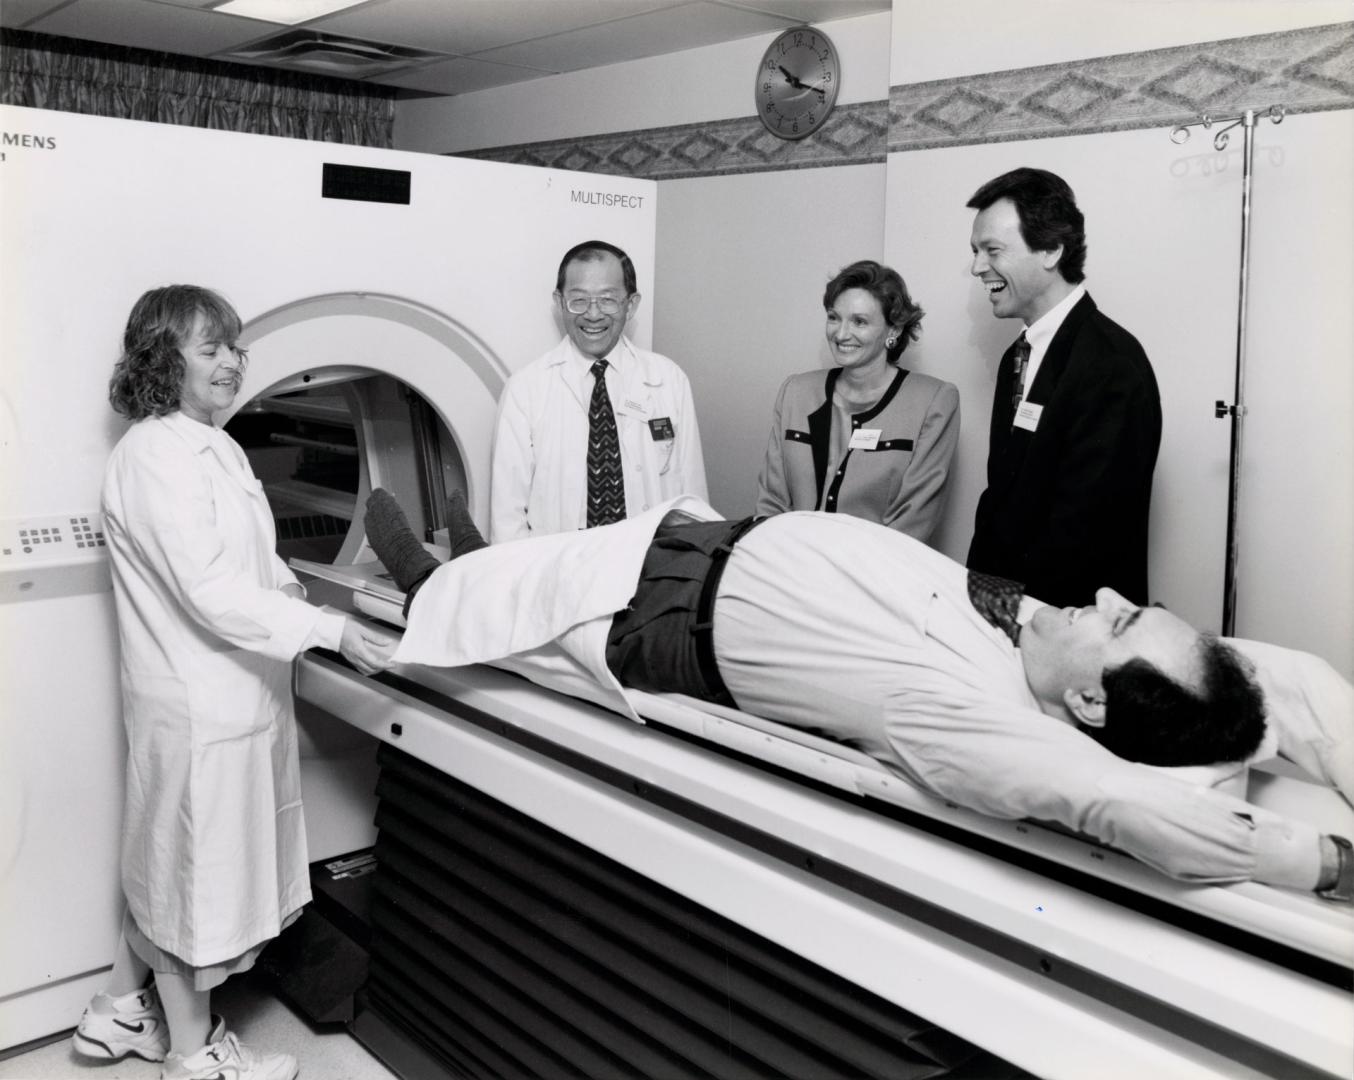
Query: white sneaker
x,y
112,1028
223,1058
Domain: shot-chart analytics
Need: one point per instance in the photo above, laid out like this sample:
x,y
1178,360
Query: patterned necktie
x,y
606,482
1022,357
997,599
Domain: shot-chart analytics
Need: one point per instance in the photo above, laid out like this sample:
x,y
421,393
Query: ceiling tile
x,y
148,25
666,31
459,76
14,13
470,26
817,11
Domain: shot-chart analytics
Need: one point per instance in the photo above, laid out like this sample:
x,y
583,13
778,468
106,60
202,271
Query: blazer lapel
x,y
820,431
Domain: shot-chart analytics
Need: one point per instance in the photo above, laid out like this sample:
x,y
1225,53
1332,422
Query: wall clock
x,y
797,82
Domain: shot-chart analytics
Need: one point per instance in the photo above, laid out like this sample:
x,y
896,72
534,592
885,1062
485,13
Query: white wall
x,y
741,268
1296,569
689,87
943,39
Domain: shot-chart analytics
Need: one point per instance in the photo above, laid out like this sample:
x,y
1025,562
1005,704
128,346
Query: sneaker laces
x,y
237,1051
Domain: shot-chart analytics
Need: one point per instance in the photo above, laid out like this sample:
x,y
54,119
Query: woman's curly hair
x,y
148,376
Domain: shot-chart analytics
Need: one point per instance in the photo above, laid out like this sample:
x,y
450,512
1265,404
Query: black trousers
x,y
663,641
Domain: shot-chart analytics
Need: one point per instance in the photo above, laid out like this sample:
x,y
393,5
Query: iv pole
x,y
1237,410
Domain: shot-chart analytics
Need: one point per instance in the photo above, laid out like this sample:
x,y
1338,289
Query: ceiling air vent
x,y
328,54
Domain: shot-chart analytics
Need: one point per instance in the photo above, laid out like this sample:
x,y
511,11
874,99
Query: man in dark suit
x,y
1076,419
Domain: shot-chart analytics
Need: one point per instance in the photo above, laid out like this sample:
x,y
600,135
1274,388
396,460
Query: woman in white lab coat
x,y
209,618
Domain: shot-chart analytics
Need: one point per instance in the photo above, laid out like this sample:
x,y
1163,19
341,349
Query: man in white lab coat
x,y
833,623
549,457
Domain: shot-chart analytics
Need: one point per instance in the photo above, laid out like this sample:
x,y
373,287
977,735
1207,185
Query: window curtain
x,y
41,71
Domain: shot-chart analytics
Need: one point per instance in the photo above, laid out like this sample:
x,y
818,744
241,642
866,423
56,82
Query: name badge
x,y
1027,416
865,438
661,428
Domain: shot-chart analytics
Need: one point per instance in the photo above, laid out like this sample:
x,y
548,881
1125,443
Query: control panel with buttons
x,y
55,555
61,536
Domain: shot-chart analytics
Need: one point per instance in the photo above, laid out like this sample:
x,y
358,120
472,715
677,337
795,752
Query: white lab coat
x,y
540,476
213,842
548,601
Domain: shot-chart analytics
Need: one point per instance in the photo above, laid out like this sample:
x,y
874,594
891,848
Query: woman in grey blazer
x,y
867,437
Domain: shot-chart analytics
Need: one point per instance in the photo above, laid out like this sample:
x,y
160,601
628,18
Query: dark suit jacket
x,y
1066,505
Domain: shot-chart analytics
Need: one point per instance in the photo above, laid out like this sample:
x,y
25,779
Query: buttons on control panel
x,y
24,541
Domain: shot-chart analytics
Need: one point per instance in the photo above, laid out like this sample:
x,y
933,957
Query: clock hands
x,y
798,78
799,85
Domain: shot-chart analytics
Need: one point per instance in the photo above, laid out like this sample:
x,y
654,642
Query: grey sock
x,y
394,541
461,529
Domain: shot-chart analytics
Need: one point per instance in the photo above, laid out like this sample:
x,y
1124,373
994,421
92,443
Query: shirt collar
x,y
620,357
197,435
1040,332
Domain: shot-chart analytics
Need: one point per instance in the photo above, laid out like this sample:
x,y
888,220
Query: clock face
x,y
797,82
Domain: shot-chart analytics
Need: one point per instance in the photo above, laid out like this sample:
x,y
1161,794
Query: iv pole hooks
x,y
1237,410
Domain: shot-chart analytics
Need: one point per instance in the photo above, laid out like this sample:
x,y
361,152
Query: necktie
x,y
606,482
997,599
1022,357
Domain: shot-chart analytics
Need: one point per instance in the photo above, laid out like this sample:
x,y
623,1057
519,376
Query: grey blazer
x,y
899,483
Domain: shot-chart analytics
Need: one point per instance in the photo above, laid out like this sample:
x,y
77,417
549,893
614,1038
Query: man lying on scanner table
x,y
973,691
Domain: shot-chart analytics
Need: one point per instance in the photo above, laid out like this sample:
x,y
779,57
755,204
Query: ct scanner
x,y
386,298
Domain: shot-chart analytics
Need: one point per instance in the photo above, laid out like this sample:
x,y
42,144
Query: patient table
x,y
1054,953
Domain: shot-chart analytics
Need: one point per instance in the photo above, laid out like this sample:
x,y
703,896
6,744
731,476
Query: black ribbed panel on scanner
x,y
508,950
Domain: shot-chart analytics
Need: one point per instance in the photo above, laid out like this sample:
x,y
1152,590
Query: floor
x,y
253,1012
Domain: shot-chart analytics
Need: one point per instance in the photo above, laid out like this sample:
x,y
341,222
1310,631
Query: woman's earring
x,y
890,342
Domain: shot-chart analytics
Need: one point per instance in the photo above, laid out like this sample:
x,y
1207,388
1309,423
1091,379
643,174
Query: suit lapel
x,y
1009,443
1003,414
1059,352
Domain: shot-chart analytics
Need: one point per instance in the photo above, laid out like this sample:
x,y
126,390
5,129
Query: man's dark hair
x,y
1151,718
1048,215
591,251
887,287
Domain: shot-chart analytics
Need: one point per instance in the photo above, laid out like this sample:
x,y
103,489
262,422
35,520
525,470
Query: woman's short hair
x,y
148,376
1151,718
886,286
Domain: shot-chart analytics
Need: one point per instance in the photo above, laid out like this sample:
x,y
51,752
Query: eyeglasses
x,y
607,305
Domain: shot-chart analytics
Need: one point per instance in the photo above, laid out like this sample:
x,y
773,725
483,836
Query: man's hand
x,y
365,649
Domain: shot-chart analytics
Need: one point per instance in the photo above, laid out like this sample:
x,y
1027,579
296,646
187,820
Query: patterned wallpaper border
x,y
852,135
1308,70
